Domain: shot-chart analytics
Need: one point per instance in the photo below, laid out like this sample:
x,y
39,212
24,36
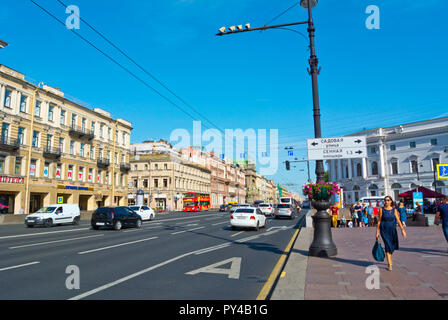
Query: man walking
x,y
369,211
442,212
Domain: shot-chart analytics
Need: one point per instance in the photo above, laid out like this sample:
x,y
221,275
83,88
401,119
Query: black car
x,y
115,217
224,207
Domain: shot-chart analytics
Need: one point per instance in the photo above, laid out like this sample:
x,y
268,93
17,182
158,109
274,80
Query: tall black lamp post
x,y
323,243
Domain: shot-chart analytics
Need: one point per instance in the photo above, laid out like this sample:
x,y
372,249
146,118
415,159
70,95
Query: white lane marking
x,y
188,230
213,248
48,242
116,245
192,225
41,233
187,222
232,273
131,276
215,224
133,230
19,266
235,234
248,238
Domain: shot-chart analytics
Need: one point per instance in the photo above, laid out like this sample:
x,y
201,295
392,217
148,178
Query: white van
x,y
54,214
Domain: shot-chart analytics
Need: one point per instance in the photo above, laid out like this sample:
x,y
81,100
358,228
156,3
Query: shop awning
x,y
427,193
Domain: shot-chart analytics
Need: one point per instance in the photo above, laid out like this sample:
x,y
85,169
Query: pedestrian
x,y
358,213
334,214
442,212
376,212
417,211
343,222
387,227
365,220
403,215
369,211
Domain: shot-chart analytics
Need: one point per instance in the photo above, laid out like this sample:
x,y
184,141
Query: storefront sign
x,y
5,179
418,198
58,173
75,188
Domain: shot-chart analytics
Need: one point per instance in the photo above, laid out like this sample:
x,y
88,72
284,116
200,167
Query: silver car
x,y
285,210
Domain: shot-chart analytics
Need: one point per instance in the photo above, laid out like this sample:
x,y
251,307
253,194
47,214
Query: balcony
x,y
54,153
125,167
103,162
81,132
8,144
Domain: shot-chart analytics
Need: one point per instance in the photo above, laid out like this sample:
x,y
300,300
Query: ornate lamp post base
x,y
322,245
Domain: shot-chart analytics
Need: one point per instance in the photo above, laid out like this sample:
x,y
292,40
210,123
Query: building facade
x,y
400,158
259,187
164,174
53,150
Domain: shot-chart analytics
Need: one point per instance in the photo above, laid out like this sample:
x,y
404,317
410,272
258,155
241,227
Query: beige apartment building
x,y
227,179
259,187
54,150
165,175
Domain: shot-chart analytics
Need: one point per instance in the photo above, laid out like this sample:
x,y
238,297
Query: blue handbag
x,y
378,251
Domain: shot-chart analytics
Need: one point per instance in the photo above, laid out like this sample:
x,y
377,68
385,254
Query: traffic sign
x,y
442,171
60,200
337,148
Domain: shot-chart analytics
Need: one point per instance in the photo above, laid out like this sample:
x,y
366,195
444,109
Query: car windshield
x,y
243,205
264,205
244,211
135,208
46,210
283,206
285,200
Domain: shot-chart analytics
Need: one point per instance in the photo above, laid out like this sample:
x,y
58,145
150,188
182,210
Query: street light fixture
x,y
322,244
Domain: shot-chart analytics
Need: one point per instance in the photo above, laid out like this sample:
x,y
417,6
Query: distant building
x,y
400,158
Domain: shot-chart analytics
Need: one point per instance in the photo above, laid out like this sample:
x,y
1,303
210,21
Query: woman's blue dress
x,y
403,215
388,230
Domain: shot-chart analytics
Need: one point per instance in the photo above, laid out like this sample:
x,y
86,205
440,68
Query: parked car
x,y
54,214
266,208
285,210
224,207
144,211
249,217
115,217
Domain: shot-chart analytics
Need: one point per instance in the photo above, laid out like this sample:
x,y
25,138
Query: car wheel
x,y
151,217
76,221
95,227
29,225
233,228
117,225
138,224
257,227
48,223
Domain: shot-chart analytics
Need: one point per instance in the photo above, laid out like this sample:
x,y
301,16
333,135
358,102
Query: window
x,y
7,101
82,150
433,142
412,144
92,128
135,167
414,166
72,147
5,132
121,179
146,166
101,130
33,168
165,183
90,177
50,113
373,150
73,121
81,174
156,183
37,109
374,168
165,166
21,136
135,183
49,141
70,172
18,166
394,166
83,124
109,133
435,162
2,164
58,171
123,138
156,166
61,145
35,139
22,107
46,169
62,117
358,170
393,147
92,152
145,183
100,153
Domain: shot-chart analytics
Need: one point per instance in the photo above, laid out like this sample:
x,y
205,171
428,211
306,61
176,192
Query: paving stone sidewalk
x,y
420,268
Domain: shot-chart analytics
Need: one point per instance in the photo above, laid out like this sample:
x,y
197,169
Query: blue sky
x,y
258,80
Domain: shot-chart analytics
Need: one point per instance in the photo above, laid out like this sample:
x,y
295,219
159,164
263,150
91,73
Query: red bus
x,y
194,201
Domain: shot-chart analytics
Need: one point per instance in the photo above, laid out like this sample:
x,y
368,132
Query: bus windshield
x,y
190,204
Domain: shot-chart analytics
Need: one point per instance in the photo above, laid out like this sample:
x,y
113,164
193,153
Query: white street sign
x,y
337,148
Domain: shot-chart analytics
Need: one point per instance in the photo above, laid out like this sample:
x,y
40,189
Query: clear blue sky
x,y
369,78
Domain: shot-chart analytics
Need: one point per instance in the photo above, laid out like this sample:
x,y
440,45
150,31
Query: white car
x,y
242,205
144,211
54,214
266,208
249,217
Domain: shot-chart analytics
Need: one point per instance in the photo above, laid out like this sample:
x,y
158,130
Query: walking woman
x,y
403,215
388,219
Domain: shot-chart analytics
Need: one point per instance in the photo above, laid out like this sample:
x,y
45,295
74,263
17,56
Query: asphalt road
x,y
176,256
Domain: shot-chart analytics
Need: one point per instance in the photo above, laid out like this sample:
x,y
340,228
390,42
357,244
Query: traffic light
x,y
287,165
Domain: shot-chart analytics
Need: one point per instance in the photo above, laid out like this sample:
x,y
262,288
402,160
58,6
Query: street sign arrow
x,y
314,144
358,152
358,141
